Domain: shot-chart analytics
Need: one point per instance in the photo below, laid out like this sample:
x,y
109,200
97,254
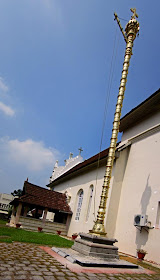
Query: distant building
x,y
5,199
133,205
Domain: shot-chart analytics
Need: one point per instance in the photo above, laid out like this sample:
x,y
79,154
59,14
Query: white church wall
x,y
134,189
72,186
149,122
140,195
69,163
115,192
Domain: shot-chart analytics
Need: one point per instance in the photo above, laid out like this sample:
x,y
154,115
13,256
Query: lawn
x,y
143,264
8,234
3,222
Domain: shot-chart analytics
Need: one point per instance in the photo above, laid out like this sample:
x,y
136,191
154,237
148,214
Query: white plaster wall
x,y
72,186
134,189
115,192
142,126
70,163
140,195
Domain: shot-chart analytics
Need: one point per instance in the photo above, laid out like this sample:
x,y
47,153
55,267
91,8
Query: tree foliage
x,y
17,192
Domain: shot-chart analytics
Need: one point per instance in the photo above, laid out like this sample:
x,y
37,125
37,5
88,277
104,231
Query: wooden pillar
x,y
18,213
26,211
36,213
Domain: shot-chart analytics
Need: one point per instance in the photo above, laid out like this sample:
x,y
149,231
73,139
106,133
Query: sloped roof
x,y
147,107
143,110
38,196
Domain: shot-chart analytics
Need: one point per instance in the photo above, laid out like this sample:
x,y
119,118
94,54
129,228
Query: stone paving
x,y
21,261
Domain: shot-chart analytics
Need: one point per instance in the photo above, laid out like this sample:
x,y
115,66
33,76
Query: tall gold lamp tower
x,y
131,30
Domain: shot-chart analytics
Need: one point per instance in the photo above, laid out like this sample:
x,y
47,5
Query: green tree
x,y
17,192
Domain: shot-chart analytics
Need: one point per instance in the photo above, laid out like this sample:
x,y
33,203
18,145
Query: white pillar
x,y
68,222
44,216
13,216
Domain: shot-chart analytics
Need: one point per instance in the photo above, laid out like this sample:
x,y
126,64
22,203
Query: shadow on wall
x,y
142,236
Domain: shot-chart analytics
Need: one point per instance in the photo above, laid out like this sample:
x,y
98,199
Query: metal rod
x,y
120,26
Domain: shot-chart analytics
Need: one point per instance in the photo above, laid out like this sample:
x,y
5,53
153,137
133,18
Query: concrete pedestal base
x,y
96,246
87,261
94,251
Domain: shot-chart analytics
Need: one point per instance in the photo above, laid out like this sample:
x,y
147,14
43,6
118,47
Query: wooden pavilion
x,y
39,207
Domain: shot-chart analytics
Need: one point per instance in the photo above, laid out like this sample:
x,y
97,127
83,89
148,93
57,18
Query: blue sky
x,y
55,62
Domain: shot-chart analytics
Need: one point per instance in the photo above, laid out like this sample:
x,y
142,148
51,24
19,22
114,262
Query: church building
x,y
133,204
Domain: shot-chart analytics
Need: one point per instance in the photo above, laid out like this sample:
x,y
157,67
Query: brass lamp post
x,y
129,35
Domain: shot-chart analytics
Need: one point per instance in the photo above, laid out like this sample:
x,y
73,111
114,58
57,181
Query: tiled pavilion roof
x,y
38,196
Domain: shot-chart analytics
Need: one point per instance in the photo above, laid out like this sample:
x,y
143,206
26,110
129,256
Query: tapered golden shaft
x,y
131,30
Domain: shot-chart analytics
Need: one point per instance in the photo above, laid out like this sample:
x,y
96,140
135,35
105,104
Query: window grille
x,y
79,205
89,202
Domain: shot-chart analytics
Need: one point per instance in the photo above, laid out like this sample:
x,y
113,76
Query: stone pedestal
x,y
96,246
94,251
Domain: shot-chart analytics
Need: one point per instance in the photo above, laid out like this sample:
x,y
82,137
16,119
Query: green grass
x,y
3,222
8,235
143,264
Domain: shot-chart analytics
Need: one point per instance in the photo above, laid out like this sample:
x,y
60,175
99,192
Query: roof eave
x,y
143,110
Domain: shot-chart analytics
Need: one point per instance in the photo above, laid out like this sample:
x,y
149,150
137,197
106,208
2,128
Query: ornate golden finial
x,y
135,15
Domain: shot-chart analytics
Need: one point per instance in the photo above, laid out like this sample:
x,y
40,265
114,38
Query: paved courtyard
x,y
30,262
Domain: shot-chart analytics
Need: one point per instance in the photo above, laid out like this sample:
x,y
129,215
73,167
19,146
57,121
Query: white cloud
x,y
7,110
3,86
22,159
31,154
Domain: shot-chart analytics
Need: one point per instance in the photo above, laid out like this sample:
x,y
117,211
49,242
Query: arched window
x,y
79,205
89,202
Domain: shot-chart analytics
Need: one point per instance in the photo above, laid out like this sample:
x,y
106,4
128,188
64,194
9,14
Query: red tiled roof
x,y
38,196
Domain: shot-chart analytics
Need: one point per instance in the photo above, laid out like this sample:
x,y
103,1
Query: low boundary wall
x,y
47,226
